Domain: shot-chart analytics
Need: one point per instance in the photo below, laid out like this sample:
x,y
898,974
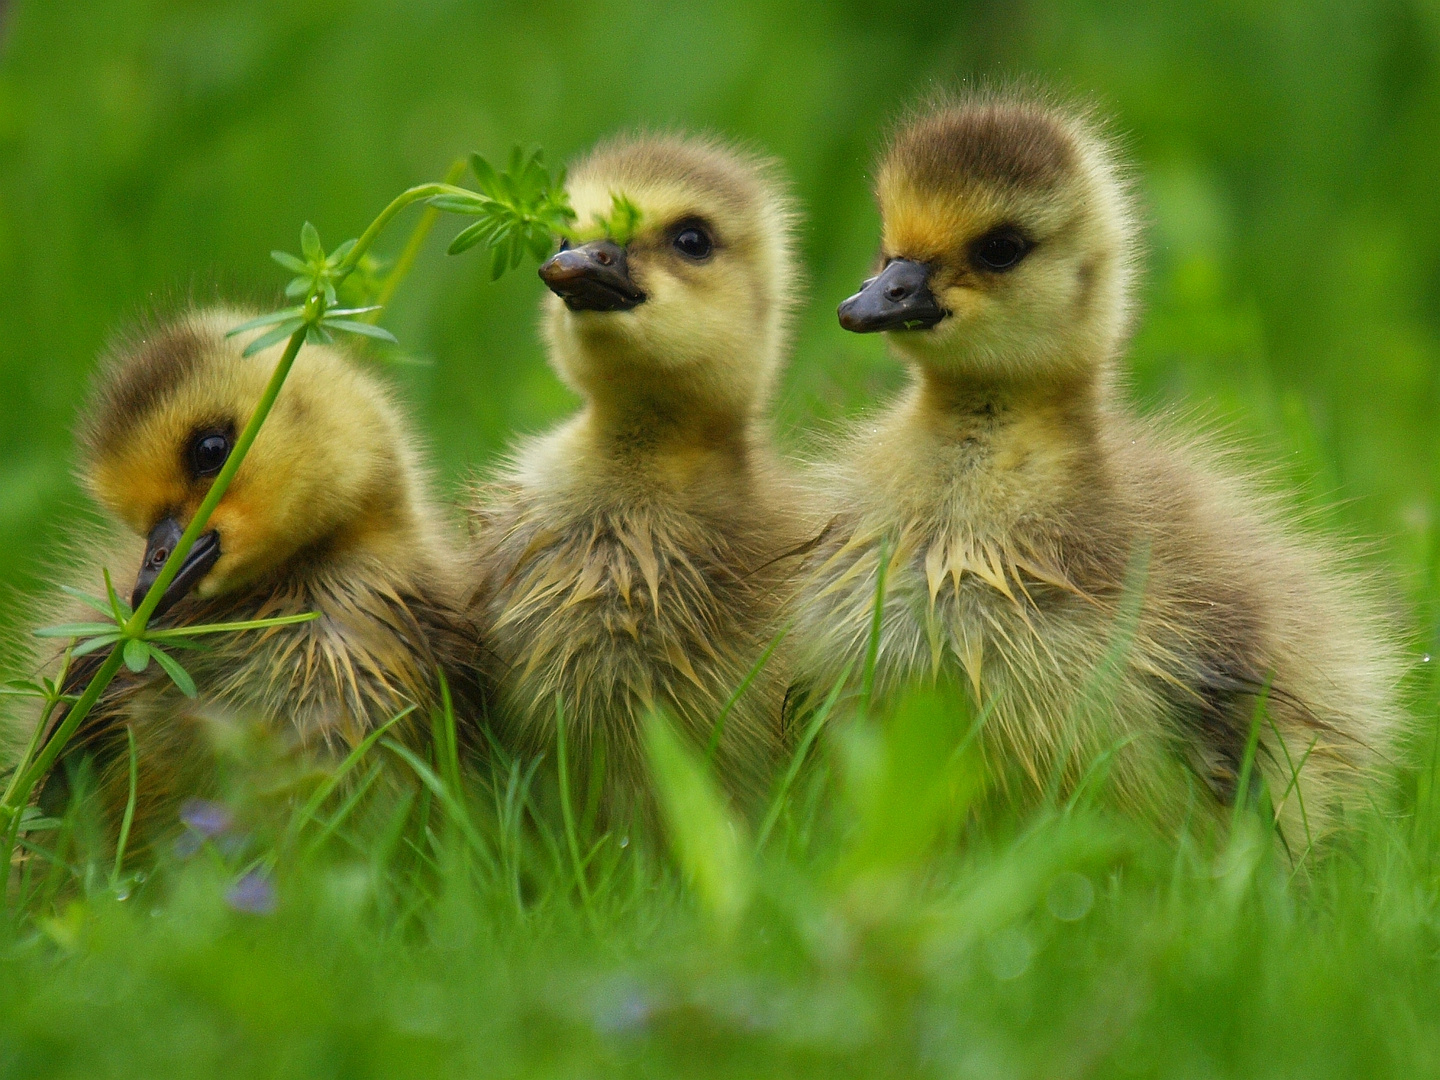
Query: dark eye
x,y
208,452
1000,250
564,244
693,243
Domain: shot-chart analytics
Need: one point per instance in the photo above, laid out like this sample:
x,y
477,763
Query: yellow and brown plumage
x,y
326,514
627,559
1100,581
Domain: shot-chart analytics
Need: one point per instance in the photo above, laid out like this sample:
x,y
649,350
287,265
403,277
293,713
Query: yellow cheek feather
x,y
140,485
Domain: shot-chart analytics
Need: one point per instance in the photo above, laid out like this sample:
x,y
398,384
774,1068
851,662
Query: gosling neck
x,y
647,429
953,404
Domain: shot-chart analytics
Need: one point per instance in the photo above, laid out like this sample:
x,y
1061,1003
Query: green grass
x,y
890,926
429,922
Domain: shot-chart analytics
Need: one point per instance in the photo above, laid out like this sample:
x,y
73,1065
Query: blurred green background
x,y
1287,155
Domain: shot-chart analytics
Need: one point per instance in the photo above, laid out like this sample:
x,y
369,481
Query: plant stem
x,y
400,202
40,728
411,251
41,765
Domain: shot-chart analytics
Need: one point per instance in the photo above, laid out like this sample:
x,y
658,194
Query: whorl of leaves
x,y
521,210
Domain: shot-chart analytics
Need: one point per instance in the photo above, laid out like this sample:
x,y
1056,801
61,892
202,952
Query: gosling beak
x,y
158,547
899,298
592,277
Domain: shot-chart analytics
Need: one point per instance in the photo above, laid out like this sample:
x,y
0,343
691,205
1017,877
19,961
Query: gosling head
x,y
691,313
1005,250
330,470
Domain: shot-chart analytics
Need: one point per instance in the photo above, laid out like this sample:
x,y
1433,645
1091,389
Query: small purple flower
x,y
622,1006
252,894
209,819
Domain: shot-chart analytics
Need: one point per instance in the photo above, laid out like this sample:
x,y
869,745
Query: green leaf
x,y
16,688
137,655
267,320
78,629
484,174
280,333
88,600
352,327
33,820
299,286
290,262
119,607
85,648
178,675
351,311
222,628
467,238
338,255
310,244
462,204
540,245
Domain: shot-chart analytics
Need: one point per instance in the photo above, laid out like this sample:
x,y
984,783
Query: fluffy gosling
x,y
627,559
326,514
1101,583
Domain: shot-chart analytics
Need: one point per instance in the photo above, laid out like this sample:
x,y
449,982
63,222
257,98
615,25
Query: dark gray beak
x,y
158,547
592,277
899,298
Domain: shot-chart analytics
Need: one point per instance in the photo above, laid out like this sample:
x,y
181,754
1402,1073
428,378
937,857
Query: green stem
x,y
41,765
400,202
39,733
411,250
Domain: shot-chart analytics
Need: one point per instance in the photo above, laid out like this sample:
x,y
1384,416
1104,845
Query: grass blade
x,y
567,810
129,817
797,759
708,842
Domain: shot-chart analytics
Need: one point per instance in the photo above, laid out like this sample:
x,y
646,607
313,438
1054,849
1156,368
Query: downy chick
x,y
1099,582
627,559
327,514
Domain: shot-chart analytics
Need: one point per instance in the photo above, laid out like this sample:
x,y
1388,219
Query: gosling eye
x,y
208,451
693,242
999,250
564,244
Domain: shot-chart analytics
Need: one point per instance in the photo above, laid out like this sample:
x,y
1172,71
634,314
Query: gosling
x,y
630,559
1103,585
327,514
